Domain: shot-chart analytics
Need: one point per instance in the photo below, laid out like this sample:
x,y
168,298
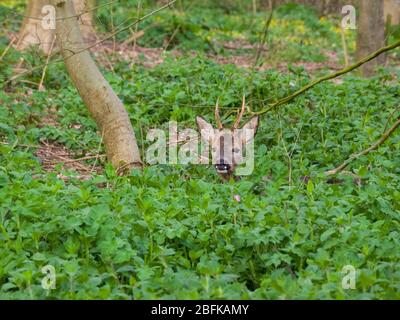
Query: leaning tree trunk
x,y
33,33
104,105
371,34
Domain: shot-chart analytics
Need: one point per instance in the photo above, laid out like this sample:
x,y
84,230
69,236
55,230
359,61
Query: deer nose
x,y
222,167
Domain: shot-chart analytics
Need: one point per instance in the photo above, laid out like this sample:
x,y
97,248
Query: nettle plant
x,y
228,145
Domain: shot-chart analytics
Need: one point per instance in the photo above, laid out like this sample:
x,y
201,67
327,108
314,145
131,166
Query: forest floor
x,y
176,231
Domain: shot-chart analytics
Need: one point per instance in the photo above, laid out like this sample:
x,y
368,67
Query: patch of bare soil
x,y
239,57
50,119
241,44
243,61
52,154
149,57
246,61
109,51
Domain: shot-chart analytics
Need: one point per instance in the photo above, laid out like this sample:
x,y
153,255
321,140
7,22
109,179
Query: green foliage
x,y
175,231
296,32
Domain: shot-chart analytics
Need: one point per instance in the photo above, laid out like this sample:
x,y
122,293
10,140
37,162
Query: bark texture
x,y
102,102
86,20
324,7
371,34
32,32
392,9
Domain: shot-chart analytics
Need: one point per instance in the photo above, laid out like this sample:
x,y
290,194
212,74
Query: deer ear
x,y
250,129
206,129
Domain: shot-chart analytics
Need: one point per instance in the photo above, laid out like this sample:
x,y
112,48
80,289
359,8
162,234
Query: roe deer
x,y
227,144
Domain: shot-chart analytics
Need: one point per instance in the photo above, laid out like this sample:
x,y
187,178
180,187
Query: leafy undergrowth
x,y
176,231
296,32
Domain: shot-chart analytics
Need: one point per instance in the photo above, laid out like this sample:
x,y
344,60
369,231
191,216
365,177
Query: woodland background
x,y
84,201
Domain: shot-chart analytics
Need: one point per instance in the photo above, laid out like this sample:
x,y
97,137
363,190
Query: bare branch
x,y
373,147
217,117
328,77
95,44
240,116
78,15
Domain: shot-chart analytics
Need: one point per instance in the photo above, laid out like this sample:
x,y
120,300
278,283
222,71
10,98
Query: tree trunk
x,y
371,34
32,32
392,9
104,105
86,20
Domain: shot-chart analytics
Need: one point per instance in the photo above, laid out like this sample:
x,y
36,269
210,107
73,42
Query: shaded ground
x,y
52,155
107,52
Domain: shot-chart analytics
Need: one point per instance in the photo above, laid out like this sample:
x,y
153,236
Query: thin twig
x,y
172,37
390,117
373,147
30,82
135,36
254,7
264,37
47,63
177,142
261,46
139,8
142,141
287,154
81,159
328,77
345,51
20,145
112,28
8,48
66,160
120,170
98,151
110,36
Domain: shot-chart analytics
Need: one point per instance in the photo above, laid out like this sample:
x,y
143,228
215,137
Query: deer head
x,y
227,144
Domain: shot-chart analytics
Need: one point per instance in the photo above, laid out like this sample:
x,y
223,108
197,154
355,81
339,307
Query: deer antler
x,y
239,118
217,117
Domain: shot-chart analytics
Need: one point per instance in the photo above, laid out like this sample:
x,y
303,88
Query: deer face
x,y
227,144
